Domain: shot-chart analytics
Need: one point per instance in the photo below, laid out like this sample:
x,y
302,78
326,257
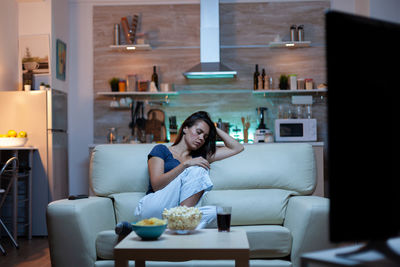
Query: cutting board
x,y
155,125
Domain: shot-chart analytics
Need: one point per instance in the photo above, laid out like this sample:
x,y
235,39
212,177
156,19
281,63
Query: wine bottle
x,y
255,79
263,79
154,77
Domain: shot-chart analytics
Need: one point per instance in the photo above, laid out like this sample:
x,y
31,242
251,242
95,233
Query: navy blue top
x,y
161,151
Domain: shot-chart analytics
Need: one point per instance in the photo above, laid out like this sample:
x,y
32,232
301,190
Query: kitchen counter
x,y
18,148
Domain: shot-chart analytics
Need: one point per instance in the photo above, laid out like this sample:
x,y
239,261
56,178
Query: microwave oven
x,y
295,130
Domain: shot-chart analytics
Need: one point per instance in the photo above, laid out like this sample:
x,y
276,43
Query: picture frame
x,y
61,59
34,51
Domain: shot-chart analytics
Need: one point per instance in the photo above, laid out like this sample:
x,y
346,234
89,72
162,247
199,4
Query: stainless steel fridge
x,y
43,115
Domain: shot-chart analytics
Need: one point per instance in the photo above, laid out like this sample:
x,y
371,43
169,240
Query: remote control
x,y
73,197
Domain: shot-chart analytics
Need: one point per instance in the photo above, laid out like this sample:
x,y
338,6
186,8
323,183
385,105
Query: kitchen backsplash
x,y
173,33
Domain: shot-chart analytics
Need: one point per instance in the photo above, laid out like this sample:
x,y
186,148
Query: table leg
x,y
303,262
241,263
140,263
30,196
15,198
121,263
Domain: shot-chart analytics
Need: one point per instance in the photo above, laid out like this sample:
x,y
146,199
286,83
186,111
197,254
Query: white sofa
x,y
269,187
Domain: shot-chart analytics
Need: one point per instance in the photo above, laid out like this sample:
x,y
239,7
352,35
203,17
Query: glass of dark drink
x,y
224,218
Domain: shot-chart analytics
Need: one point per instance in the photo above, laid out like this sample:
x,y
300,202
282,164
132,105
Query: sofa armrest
x,y
73,225
307,217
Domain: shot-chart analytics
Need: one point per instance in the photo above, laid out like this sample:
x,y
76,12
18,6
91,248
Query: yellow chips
x,y
151,222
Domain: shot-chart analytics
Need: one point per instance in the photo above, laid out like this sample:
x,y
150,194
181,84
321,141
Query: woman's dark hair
x,y
208,148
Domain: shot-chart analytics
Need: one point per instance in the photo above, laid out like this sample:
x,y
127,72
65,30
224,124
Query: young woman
x,y
179,174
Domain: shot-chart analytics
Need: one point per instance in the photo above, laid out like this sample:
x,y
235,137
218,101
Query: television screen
x,y
363,75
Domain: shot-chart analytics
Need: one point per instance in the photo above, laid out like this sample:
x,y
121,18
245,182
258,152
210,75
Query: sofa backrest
x,y
119,168
257,183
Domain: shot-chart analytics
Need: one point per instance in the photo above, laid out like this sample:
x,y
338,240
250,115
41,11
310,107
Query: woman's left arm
x,y
232,147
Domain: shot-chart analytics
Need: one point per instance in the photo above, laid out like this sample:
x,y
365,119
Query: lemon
x,y
3,135
22,134
12,133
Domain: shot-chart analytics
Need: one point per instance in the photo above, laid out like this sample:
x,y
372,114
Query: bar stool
x,y
4,192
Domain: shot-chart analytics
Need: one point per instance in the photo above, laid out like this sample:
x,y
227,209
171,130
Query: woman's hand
x,y
199,161
232,147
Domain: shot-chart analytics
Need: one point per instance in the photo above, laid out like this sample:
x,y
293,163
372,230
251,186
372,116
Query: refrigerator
x,y
43,115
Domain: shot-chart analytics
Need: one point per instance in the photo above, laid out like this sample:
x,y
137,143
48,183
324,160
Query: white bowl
x,y
13,141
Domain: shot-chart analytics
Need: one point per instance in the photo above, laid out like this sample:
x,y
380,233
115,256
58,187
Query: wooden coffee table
x,y
204,244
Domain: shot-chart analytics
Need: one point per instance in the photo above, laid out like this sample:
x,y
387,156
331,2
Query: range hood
x,y
210,65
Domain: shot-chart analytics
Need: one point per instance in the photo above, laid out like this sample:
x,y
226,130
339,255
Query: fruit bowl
x,y
13,141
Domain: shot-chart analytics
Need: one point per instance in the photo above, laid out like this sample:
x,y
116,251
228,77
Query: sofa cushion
x,y
251,206
105,243
125,204
283,166
265,241
200,263
119,168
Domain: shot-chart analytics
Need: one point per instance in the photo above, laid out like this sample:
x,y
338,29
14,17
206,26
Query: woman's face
x,y
196,135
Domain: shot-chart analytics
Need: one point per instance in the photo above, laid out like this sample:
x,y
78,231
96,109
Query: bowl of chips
x,y
182,219
149,229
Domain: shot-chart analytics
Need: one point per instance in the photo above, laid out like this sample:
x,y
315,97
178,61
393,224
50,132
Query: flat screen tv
x,y
363,76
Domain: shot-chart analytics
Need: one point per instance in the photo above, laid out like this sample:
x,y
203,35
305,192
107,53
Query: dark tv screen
x,y
363,74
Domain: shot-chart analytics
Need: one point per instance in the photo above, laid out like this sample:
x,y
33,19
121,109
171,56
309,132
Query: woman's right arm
x,y
159,179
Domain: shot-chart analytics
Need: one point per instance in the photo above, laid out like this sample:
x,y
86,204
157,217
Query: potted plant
x,y
30,63
42,86
283,82
114,84
47,86
27,85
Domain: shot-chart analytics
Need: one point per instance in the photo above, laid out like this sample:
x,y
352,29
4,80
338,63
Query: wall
x,y
80,120
8,45
34,18
60,30
173,32
81,117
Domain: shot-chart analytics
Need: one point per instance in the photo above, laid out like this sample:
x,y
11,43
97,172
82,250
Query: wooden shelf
x,y
137,93
290,44
278,91
185,92
131,47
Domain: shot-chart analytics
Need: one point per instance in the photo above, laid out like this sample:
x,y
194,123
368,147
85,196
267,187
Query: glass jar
x,y
268,137
112,135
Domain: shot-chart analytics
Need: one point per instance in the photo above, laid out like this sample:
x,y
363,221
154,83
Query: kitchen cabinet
x,y
319,162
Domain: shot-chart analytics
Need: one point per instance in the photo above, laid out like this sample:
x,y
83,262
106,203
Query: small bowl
x,y
149,232
13,141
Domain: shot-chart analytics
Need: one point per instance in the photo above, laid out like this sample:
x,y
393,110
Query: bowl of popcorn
x,y
182,219
149,229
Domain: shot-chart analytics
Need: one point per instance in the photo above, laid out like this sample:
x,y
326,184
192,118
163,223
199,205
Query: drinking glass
x,y
224,218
